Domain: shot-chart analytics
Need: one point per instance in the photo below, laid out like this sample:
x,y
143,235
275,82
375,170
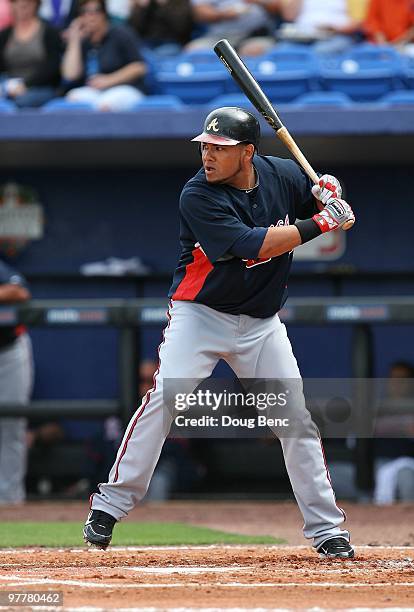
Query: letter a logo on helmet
x,y
230,125
213,125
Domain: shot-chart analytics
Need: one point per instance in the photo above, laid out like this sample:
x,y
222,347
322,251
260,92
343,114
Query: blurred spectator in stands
x,y
103,60
236,20
394,453
327,24
358,10
30,53
5,14
16,378
163,25
390,21
119,10
59,13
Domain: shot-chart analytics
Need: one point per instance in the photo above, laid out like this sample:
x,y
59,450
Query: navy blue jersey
x,y
9,276
222,229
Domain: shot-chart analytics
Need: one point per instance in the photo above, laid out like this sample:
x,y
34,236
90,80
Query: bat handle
x,y
284,135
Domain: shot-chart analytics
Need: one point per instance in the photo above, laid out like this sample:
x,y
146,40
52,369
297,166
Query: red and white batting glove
x,y
329,187
335,214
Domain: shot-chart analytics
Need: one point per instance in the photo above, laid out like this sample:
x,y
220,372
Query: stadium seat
x,y
194,82
365,73
285,73
6,106
232,99
323,98
200,56
171,102
408,71
404,97
64,105
291,52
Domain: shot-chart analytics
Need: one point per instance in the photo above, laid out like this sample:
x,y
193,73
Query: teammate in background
x,y
16,376
239,226
394,440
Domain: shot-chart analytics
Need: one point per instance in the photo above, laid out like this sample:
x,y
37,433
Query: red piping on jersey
x,y
329,476
145,401
195,275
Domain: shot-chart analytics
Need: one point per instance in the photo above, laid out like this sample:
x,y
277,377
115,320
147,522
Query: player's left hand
x,y
329,187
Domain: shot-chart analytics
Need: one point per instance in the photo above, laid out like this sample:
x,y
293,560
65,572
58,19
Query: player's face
x,y
224,164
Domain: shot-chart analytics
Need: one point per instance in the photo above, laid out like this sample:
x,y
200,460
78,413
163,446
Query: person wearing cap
x,y
241,217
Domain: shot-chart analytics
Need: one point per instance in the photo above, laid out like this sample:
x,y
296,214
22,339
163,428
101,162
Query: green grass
x,y
14,534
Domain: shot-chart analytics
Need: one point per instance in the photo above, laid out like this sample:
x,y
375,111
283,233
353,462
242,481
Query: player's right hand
x,y
335,214
329,187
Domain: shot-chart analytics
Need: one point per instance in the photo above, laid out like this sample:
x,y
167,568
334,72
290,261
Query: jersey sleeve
x,y
305,203
218,231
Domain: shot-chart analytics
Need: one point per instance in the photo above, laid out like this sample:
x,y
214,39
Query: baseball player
x,y
16,376
241,217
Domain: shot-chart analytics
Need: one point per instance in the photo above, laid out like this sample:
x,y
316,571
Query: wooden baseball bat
x,y
248,84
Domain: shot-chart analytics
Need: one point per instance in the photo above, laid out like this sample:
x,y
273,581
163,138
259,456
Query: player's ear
x,y
249,151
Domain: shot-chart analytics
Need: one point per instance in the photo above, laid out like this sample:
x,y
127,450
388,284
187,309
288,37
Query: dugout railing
x,y
129,316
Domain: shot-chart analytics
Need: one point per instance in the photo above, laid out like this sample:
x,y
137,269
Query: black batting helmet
x,y
230,125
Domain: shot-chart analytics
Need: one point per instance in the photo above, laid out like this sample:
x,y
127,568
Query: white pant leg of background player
x,y
271,356
16,379
193,343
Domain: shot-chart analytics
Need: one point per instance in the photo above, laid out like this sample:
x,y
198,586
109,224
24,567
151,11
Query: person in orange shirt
x,y
390,21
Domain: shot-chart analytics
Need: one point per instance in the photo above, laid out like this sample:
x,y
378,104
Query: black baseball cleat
x,y
98,528
336,548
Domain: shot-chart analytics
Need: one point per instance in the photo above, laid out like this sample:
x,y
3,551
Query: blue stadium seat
x,y
323,98
193,82
365,73
6,106
408,71
200,56
63,105
404,97
149,102
285,73
232,99
291,52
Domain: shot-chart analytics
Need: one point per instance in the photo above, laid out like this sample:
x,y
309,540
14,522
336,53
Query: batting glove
x,y
329,187
335,214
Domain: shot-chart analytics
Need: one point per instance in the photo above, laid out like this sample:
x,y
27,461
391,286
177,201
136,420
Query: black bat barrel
x,y
247,82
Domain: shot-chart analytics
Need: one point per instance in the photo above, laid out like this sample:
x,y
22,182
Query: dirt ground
x,y
245,577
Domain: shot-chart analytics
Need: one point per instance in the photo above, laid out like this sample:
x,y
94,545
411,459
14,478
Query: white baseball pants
x,y
196,338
